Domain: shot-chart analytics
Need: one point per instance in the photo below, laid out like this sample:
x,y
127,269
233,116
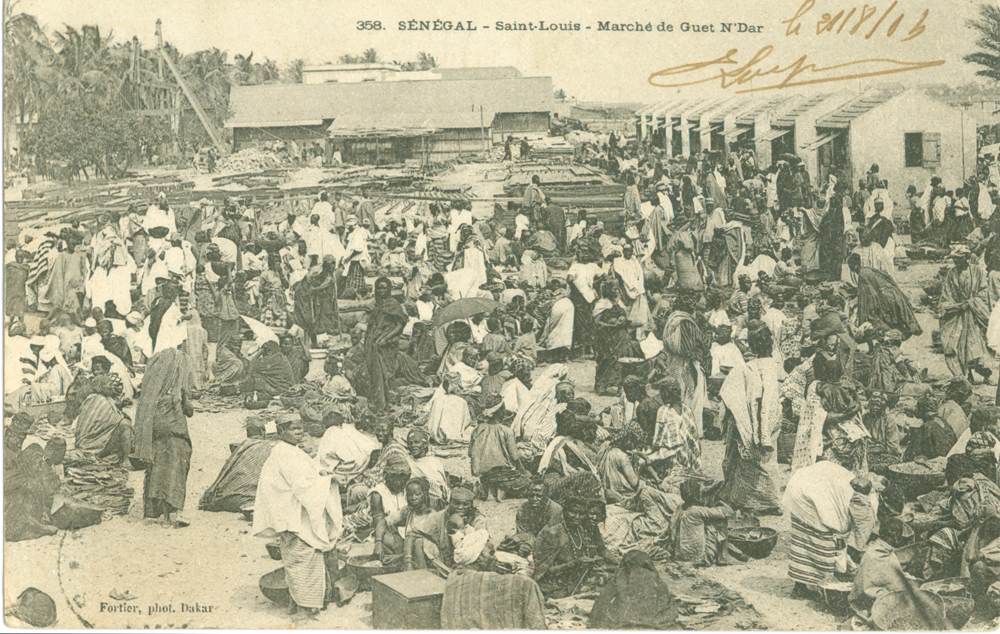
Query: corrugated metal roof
x,y
275,104
787,120
748,117
404,123
735,106
703,108
842,116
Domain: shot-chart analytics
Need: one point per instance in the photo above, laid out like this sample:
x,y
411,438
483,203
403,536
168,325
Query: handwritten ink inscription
x,y
769,70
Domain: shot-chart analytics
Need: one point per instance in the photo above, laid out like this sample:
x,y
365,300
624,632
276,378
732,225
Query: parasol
x,y
463,309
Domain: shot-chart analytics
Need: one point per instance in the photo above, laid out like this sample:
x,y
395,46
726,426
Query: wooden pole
x,y
192,99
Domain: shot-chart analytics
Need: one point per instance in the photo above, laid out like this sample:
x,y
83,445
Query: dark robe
x,y
384,362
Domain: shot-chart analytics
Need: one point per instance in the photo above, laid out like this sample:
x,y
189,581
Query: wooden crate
x,y
407,601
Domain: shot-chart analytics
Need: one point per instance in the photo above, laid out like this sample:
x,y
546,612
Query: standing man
x,y
299,503
534,199
525,149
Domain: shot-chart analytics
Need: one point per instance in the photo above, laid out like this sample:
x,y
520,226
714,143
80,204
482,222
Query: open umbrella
x,y
463,309
791,158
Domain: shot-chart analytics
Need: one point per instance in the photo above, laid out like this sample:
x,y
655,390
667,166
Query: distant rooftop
x,y
842,116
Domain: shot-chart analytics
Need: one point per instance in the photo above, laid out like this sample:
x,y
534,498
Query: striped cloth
x,y
813,553
41,263
305,571
236,484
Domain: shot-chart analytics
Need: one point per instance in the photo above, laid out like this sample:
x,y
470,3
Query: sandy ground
x,y
206,575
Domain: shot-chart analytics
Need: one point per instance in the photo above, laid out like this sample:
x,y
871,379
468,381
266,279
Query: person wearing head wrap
x,y
494,455
28,490
299,503
571,556
752,417
964,314
386,366
161,440
952,410
50,382
881,302
934,437
496,377
582,292
316,310
616,467
559,312
832,411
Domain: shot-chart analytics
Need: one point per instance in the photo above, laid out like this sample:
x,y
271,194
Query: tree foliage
x,y
78,132
987,29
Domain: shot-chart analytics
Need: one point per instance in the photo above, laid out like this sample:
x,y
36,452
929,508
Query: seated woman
x,y
230,366
102,429
387,499
934,438
699,530
50,382
496,377
392,528
27,498
494,456
429,539
449,418
298,356
884,448
269,374
567,458
424,465
536,513
337,388
984,558
571,557
236,484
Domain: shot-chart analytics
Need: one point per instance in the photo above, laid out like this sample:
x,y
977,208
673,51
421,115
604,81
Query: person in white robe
x,y
160,215
299,503
725,353
343,450
633,279
111,279
448,416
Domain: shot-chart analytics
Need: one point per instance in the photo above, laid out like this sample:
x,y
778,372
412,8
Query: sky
x,y
588,64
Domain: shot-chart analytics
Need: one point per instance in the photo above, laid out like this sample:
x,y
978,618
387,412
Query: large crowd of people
x,y
724,301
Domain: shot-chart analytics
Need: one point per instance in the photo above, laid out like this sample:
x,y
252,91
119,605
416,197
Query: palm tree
x,y
85,61
370,56
28,74
987,28
426,61
293,72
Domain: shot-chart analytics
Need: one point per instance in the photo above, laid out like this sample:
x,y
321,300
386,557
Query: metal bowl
x,y
274,587
756,541
364,567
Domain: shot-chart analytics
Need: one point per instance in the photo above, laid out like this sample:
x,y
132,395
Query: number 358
x,y
370,25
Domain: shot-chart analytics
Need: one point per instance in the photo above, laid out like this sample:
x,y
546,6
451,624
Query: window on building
x,y
922,149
